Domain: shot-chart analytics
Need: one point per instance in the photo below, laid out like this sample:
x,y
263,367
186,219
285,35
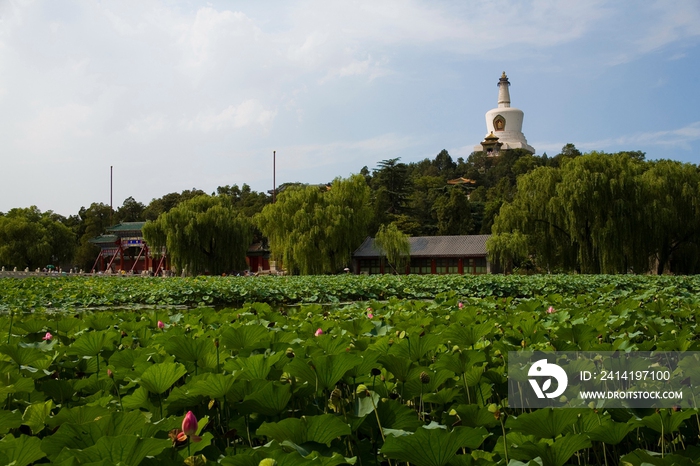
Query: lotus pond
x,y
418,378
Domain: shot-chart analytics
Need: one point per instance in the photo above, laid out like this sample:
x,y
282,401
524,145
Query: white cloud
x,y
248,113
53,127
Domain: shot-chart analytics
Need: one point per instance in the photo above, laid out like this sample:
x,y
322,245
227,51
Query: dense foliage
x,y
372,382
203,234
61,292
603,213
394,245
30,238
314,229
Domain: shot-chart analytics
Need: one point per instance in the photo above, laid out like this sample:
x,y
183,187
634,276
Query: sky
x,y
177,95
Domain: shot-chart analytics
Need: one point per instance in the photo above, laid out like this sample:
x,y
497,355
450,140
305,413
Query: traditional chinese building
x,y
123,248
504,125
465,254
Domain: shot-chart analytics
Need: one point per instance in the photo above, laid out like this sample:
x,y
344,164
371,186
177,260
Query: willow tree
x,y
394,245
601,203
313,229
203,234
586,215
532,224
671,211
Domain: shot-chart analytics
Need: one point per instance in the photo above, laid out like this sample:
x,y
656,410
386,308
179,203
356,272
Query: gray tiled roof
x,y
434,246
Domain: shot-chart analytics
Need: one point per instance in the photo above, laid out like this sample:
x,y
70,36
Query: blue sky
x,y
177,95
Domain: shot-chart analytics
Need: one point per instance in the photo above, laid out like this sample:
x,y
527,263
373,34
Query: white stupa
x,y
504,125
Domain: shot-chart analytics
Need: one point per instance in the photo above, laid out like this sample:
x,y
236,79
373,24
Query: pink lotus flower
x,y
370,315
551,310
189,427
47,337
318,332
161,325
460,305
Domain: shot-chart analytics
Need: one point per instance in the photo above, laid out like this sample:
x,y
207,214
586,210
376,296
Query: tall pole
x,y
111,204
274,175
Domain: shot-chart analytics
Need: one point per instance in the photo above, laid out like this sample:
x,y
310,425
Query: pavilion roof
x,y
434,246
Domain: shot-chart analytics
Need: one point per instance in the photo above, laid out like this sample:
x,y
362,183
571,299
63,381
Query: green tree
x,y
314,229
166,203
30,238
393,244
587,215
92,222
671,213
202,234
454,213
130,211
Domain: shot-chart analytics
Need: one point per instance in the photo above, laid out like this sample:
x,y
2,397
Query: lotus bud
x,y
47,337
267,462
110,374
123,334
290,353
375,372
216,342
424,377
189,424
161,325
460,305
370,315
551,310
318,332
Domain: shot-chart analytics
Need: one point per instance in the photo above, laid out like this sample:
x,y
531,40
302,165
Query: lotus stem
x,y
9,332
505,443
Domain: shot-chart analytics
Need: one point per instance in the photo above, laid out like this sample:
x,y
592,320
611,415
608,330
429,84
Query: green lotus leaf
x,y
651,458
91,344
398,366
393,415
35,415
558,452
211,385
257,366
610,432
368,362
320,429
416,347
473,416
186,348
357,327
433,447
77,415
32,326
82,436
245,337
127,450
460,362
330,369
466,336
665,421
21,451
22,356
268,398
160,377
544,423
9,420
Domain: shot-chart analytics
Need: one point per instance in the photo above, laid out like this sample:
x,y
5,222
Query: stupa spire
x,y
503,92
